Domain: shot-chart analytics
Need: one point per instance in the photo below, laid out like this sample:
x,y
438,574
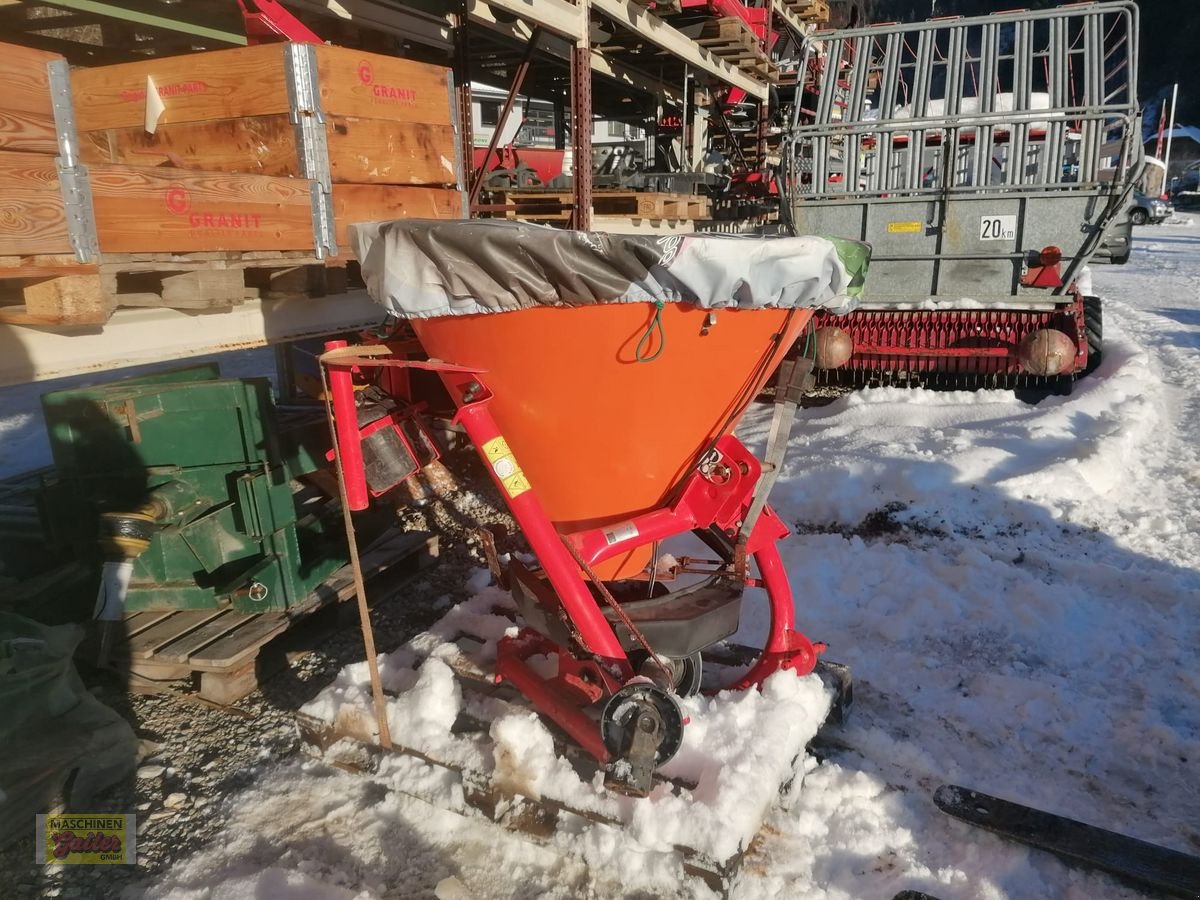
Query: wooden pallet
x,y
814,11
223,646
54,289
730,38
555,206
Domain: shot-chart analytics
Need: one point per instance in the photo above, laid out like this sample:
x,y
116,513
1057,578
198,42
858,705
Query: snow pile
x,y
738,748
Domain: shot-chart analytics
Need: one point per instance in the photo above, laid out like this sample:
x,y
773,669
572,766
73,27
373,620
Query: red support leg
x,y
595,633
785,648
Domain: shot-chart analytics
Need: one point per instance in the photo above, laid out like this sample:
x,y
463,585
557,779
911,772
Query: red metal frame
x,y
960,341
717,493
545,161
266,22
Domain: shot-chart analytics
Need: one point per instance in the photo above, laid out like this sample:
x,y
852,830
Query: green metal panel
x,y
207,456
140,17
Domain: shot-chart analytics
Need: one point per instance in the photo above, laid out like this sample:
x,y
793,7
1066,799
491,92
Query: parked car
x,y
1185,189
1152,210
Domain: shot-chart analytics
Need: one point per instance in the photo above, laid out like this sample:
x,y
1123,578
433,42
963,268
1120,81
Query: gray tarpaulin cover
x,y
422,268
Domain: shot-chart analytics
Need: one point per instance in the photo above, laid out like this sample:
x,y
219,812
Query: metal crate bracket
x,y
308,120
72,175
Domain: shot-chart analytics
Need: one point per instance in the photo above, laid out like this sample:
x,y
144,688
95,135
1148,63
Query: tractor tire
x,y
1139,216
1093,323
1119,260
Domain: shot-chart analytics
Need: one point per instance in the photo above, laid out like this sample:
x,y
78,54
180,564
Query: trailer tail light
x,y
1050,256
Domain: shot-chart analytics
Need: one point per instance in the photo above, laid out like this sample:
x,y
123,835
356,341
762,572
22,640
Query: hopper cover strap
x,y
424,268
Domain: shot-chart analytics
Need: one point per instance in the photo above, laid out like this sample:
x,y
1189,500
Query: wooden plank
x,y
360,150
33,217
262,145
159,209
252,81
145,619
25,132
371,203
380,151
43,266
26,114
68,300
144,644
218,84
181,650
371,86
240,644
205,288
225,687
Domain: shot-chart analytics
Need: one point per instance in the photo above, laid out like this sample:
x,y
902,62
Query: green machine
x,y
196,481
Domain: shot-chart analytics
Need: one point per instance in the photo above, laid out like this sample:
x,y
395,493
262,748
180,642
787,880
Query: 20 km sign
x,y
997,228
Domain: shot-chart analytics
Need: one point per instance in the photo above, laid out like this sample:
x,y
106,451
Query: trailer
x,y
985,160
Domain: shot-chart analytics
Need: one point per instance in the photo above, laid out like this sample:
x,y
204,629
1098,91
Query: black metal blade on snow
x,y
1148,864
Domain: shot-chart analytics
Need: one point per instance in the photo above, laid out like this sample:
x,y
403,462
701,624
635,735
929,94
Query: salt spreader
x,y
600,377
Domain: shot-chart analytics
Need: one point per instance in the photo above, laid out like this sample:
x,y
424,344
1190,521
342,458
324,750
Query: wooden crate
x,y
26,115
387,120
200,235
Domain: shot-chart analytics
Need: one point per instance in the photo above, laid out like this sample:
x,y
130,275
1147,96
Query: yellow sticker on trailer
x,y
905,227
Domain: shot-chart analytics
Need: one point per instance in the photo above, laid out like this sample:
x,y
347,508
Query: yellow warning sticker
x,y
905,227
516,484
504,464
496,448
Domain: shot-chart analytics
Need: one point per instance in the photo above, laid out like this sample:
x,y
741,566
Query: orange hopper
x,y
600,435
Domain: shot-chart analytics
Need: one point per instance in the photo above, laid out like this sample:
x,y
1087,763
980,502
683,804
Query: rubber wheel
x,y
1119,260
1139,217
1093,322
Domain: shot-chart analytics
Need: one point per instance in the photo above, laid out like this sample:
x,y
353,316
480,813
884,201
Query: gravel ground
x,y
194,754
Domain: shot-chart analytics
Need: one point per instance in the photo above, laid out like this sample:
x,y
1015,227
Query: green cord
x,y
655,323
810,334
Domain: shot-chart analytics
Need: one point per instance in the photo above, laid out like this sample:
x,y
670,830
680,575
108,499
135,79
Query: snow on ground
x,y
1021,619
1014,588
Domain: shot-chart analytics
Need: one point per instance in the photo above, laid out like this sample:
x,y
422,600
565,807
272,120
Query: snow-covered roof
x,y
1179,133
